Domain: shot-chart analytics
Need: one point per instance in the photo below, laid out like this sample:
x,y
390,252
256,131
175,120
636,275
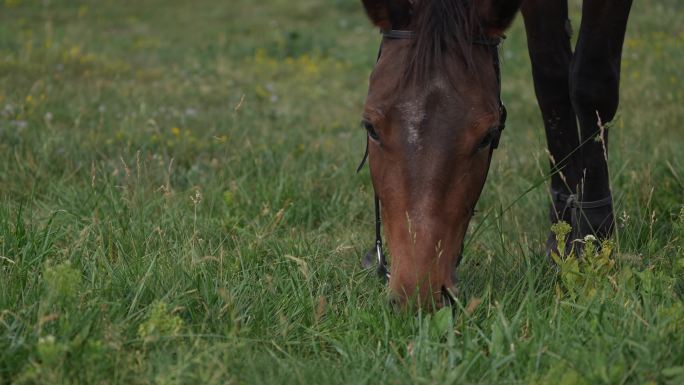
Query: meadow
x,y
179,205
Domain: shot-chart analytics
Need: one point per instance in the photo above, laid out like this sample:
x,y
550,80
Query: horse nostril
x,y
395,302
449,296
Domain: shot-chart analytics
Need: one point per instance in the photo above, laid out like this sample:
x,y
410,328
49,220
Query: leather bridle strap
x,y
398,34
382,270
403,34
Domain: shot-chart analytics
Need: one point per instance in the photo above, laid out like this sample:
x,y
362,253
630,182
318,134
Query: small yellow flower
x,y
176,131
260,56
260,91
75,51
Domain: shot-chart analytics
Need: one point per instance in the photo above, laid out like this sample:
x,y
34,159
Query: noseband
x,y
376,253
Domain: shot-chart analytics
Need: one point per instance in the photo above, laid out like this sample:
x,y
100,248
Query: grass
x,y
178,204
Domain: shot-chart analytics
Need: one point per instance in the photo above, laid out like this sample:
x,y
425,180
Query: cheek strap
x,y
375,257
364,159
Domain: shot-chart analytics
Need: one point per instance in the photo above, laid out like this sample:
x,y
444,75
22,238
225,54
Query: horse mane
x,y
444,29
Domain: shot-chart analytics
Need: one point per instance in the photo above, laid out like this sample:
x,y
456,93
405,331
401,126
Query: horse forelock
x,y
445,31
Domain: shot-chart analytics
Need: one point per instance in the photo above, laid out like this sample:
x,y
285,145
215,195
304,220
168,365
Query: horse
x,y
433,117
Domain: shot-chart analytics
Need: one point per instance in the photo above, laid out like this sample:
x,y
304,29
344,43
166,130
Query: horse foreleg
x,y
594,91
548,40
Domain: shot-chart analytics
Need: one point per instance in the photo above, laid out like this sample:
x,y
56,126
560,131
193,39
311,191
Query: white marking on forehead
x,y
438,84
413,112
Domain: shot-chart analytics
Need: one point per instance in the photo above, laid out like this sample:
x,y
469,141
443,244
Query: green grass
x,y
178,204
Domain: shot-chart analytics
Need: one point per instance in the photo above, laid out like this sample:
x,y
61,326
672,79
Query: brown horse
x,y
434,116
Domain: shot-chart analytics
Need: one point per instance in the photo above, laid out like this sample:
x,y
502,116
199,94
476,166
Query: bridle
x,y
376,253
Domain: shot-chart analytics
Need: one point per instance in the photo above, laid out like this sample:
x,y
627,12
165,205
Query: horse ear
x,y
388,14
497,15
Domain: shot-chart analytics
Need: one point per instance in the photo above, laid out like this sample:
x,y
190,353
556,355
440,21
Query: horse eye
x,y
487,140
368,126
